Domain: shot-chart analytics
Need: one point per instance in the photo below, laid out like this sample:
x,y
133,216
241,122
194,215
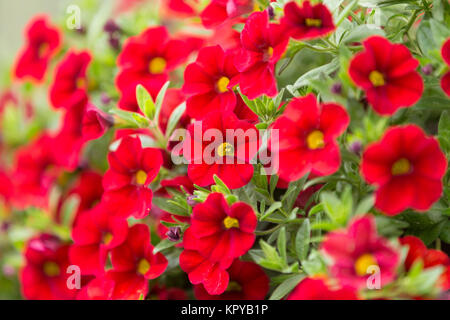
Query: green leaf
x,y
160,99
445,232
338,210
365,205
281,243
302,240
145,102
275,206
175,118
444,131
166,205
164,244
362,32
286,286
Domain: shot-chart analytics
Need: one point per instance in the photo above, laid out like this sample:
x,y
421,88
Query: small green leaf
x,y
302,240
286,286
160,99
175,118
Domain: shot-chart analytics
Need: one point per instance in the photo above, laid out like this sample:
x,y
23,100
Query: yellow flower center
x,y
363,263
157,65
81,82
222,84
143,266
269,52
315,140
107,238
234,286
43,48
51,269
141,177
400,167
225,149
230,222
376,78
310,22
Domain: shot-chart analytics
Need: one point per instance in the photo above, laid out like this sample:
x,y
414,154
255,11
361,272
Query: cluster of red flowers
x,y
111,238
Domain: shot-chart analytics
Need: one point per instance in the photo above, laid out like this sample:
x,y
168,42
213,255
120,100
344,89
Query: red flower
x,y
429,257
172,99
163,293
146,59
318,289
357,249
126,183
263,44
222,232
407,166
307,138
95,123
227,157
219,11
95,234
247,282
386,72
45,276
445,81
98,288
70,82
209,82
307,22
243,112
134,264
42,42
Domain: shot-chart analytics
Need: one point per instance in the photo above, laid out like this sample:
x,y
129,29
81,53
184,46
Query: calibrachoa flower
x,y
307,138
209,82
308,21
318,289
95,234
387,73
70,80
42,42
263,44
407,166
247,282
218,11
95,123
134,263
226,158
221,231
44,276
445,81
146,59
355,250
126,183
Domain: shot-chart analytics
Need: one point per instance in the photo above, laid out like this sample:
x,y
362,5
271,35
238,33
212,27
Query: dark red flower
x,y
357,249
263,44
225,155
95,123
387,73
134,264
222,232
247,282
163,293
98,288
407,166
445,81
209,82
307,138
42,42
70,81
44,276
219,11
318,289
95,234
146,59
308,21
126,183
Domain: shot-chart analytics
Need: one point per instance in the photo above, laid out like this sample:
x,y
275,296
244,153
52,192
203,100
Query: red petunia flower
x,y
429,257
307,22
45,276
95,123
98,288
161,292
318,289
42,42
134,264
263,44
407,166
222,232
209,82
243,112
95,234
247,282
357,249
210,150
146,59
219,11
445,81
386,72
307,138
70,81
126,183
